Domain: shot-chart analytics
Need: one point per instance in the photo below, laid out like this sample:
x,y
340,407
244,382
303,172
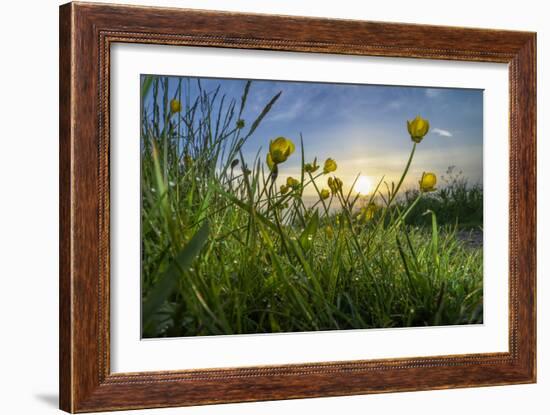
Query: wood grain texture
x,y
86,33
65,247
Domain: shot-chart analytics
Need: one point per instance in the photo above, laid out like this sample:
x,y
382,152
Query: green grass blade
x,y
146,86
306,238
264,112
167,283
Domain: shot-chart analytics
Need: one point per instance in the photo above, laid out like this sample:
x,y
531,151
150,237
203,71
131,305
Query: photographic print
x,y
284,206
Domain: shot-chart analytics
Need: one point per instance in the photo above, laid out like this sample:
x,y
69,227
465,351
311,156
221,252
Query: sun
x,y
363,185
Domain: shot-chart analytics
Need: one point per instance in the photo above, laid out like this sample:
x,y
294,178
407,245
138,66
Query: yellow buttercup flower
x,y
335,184
330,232
280,149
418,128
175,106
187,160
311,167
427,182
330,166
367,213
325,194
284,189
292,182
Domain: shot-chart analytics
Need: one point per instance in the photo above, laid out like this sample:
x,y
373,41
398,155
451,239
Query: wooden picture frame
x,y
86,33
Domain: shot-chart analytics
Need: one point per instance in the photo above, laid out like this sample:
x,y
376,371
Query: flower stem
x,y
396,190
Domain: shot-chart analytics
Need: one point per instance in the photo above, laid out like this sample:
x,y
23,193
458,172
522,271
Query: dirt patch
x,y
472,238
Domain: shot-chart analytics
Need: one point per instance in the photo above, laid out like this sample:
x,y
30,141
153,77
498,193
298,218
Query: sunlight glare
x,y
363,185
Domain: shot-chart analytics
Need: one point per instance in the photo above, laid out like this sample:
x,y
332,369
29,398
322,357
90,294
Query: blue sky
x,y
363,127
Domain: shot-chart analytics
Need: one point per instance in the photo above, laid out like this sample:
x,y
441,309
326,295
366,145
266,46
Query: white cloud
x,y
441,132
432,92
288,113
395,104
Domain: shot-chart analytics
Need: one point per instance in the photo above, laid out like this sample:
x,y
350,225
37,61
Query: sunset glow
x,y
363,185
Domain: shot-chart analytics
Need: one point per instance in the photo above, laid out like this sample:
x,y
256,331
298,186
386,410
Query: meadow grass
x,y
226,251
456,202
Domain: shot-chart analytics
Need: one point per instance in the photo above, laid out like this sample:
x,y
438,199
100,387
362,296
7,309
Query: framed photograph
x,y
258,207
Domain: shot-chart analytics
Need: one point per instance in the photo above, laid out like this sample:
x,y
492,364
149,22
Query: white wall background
x,y
29,206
